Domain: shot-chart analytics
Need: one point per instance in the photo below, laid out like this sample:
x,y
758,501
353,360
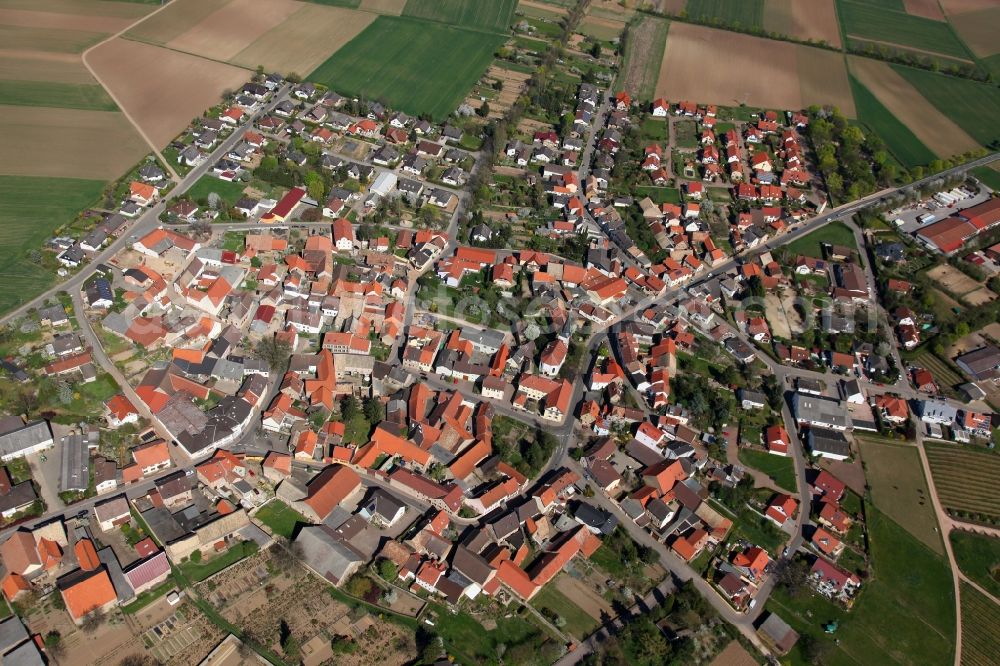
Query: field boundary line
x,y
904,47
142,133
190,53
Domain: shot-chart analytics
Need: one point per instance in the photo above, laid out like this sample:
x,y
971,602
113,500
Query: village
x,y
351,375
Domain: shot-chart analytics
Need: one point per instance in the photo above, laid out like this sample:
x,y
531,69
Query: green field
x,y
227,191
471,643
988,176
641,68
965,480
578,622
199,571
62,95
32,208
978,557
903,143
869,21
414,66
491,16
835,233
975,107
281,518
48,39
743,13
779,468
899,489
904,613
980,628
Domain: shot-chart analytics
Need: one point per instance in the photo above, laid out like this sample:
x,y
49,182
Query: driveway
x,y
46,473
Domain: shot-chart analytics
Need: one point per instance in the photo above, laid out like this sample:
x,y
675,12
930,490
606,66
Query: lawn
x,y
230,192
32,209
965,480
149,596
471,643
740,13
493,16
759,531
989,176
905,613
835,233
62,95
975,107
411,65
980,628
903,143
779,468
578,621
869,21
978,557
199,571
281,518
659,195
642,65
899,489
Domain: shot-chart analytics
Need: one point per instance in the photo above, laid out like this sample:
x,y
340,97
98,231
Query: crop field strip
x,y
980,628
936,131
493,16
391,58
815,20
978,29
941,371
644,46
61,95
965,479
902,142
744,13
871,22
975,107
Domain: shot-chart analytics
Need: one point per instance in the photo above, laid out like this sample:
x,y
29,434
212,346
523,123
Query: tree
x,y
595,50
274,352
387,570
792,574
137,660
483,110
91,622
53,643
196,556
374,410
349,408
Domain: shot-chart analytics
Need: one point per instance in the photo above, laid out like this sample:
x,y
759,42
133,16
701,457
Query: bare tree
x,y
91,622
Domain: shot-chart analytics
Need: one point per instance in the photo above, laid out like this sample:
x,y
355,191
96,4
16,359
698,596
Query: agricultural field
x,y
811,245
975,107
978,556
905,613
494,16
173,21
33,133
902,142
926,8
162,89
390,7
697,67
815,20
304,40
647,38
980,628
63,95
232,27
390,61
537,9
33,208
899,489
965,480
989,176
742,13
943,374
871,22
978,29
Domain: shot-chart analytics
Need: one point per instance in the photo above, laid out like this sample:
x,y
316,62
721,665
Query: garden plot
x,y
956,282
781,314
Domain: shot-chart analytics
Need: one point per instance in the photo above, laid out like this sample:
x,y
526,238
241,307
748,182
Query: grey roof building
x,y
326,554
23,439
75,473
